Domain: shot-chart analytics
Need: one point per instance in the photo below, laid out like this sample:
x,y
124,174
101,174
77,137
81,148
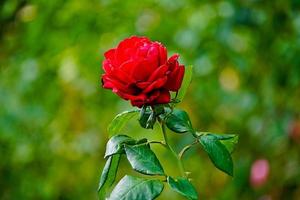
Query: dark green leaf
x,y
179,121
159,109
108,175
184,187
133,188
143,160
114,145
147,118
218,153
120,120
185,83
151,121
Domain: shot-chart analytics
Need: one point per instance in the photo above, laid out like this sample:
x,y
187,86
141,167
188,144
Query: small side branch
x,y
180,155
158,142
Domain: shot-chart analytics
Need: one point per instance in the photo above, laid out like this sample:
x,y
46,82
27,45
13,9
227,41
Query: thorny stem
x,y
179,162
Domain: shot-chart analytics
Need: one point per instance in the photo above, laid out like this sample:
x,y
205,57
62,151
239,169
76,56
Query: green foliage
x,y
108,175
130,188
230,143
228,140
120,120
184,187
179,122
218,153
115,144
147,117
143,160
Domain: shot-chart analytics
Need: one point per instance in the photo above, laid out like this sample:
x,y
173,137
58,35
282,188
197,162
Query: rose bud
x,y
259,172
139,70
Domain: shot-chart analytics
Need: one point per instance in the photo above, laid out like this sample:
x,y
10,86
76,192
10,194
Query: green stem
x,y
180,155
179,162
158,142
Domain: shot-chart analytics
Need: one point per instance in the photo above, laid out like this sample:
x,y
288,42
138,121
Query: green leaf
x,y
143,160
228,140
218,153
179,122
108,175
120,120
115,144
183,187
133,188
147,118
159,109
230,144
188,73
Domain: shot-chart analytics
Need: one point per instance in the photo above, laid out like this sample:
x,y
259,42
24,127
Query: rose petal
x,y
150,100
107,66
107,84
175,79
128,67
142,70
110,54
156,84
143,50
111,83
137,103
163,98
173,62
173,58
126,96
119,75
153,56
128,48
162,54
122,76
129,42
158,73
152,96
143,85
124,52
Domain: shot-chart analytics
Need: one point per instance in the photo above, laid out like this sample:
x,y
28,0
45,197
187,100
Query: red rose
x,y
138,70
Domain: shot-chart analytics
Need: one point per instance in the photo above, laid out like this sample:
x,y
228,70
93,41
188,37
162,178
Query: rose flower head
x,y
140,71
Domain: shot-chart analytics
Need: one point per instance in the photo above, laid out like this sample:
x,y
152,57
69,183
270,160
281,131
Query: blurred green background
x,y
54,113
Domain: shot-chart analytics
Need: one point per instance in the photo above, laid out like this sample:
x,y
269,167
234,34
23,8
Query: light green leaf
x,y
120,120
179,122
114,145
218,153
188,73
183,187
228,140
143,160
108,175
133,188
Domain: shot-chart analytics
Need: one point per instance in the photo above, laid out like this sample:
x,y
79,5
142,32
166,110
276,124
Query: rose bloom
x,y
139,70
